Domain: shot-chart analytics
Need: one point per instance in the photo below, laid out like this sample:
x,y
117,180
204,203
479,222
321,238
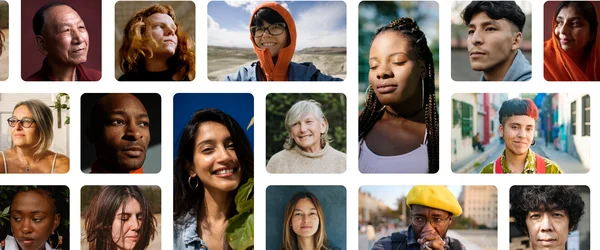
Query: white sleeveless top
x,y
413,162
6,169
11,244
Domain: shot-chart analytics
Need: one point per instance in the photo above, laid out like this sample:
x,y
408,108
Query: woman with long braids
x,y
398,129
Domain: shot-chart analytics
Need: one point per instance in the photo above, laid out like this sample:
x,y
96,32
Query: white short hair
x,y
299,110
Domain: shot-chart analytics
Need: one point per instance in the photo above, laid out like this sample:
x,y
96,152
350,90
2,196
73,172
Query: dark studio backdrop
x,y
90,12
152,103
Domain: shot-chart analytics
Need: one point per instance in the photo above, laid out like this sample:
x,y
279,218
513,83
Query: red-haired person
x,y
517,127
155,47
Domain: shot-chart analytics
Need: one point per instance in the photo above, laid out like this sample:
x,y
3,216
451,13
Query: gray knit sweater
x,y
294,160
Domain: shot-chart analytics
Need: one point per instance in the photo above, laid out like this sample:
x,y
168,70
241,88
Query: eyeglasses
x,y
274,29
25,122
435,222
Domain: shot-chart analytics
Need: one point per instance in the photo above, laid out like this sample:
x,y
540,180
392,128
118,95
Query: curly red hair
x,y
138,44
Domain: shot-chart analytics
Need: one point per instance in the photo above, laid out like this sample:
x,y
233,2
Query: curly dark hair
x,y
373,107
524,199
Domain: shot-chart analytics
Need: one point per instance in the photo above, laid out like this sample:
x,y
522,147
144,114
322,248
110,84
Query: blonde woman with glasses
x,y
31,137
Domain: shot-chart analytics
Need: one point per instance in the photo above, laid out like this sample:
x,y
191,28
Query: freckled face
x,y
163,32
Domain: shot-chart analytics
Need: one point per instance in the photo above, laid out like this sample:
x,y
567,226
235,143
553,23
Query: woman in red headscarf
x,y
573,53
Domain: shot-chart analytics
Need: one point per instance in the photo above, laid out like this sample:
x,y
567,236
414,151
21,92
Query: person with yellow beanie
x,y
431,212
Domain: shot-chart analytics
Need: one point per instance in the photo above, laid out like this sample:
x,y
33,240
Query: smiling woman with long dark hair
x,y
214,159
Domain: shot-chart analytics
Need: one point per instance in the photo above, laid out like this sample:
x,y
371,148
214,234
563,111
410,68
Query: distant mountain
x,y
248,52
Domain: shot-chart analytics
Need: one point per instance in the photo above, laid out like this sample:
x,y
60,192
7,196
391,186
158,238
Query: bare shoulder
x,y
62,164
2,160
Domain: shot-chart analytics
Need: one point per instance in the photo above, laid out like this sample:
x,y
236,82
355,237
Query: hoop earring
x,y
533,142
190,183
423,93
58,239
367,91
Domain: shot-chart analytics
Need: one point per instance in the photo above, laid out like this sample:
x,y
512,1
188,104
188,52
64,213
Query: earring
x,y
190,183
367,91
533,142
59,239
323,140
423,93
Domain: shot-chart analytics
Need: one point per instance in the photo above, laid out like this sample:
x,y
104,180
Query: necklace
x,y
28,166
399,116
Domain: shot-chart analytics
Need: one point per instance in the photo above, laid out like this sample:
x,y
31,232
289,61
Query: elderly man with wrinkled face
x,y
431,212
61,36
120,132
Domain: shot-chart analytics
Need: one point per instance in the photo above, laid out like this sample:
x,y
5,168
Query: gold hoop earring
x,y
58,239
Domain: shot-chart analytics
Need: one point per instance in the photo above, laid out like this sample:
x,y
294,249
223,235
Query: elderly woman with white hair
x,y
307,149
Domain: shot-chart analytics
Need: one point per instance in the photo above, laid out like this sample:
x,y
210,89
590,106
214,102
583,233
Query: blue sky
x,y
389,194
318,24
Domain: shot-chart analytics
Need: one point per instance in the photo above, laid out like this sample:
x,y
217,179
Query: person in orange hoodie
x,y
273,35
573,53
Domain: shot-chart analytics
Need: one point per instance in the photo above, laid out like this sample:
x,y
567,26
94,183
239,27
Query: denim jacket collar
x,y
185,230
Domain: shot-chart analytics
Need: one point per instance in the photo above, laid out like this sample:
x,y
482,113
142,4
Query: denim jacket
x,y
185,236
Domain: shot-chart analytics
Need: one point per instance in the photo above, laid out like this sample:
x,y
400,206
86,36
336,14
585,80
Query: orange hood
x,y
558,66
271,71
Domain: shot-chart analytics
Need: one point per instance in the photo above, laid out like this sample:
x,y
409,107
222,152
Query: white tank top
x,y
6,169
413,162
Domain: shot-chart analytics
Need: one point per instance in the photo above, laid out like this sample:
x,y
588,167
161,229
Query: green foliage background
x,y
375,14
61,196
333,106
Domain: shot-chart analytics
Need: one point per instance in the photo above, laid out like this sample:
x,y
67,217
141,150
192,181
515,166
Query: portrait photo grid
x,y
336,36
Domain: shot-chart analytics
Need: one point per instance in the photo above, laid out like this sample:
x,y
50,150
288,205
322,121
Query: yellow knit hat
x,y
438,197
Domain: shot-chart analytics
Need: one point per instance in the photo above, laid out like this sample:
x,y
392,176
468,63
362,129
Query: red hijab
x,y
558,66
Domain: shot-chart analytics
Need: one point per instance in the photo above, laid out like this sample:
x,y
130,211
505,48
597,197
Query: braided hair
x,y
374,108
